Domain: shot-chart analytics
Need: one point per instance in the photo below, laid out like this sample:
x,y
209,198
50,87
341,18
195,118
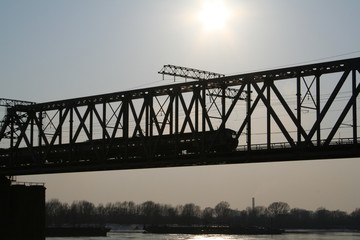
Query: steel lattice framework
x,y
295,113
186,73
12,102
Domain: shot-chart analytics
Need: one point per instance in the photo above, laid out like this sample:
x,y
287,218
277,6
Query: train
x,y
135,148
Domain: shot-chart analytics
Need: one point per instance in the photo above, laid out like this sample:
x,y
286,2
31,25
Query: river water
x,y
286,236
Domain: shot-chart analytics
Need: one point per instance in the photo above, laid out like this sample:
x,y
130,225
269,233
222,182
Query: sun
x,y
214,15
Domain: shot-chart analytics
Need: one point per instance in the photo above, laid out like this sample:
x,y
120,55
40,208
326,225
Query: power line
x,y
298,63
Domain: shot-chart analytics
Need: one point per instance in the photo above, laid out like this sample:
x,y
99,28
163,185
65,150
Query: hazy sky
x,y
51,50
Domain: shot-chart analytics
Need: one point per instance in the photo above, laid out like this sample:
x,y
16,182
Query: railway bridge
x,y
294,113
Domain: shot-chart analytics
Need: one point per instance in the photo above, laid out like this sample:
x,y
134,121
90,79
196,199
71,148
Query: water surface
x,y
287,236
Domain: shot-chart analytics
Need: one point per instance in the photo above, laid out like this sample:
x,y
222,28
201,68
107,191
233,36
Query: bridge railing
x,y
286,145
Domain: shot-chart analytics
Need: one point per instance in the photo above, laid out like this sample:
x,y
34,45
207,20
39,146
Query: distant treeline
x,y
277,214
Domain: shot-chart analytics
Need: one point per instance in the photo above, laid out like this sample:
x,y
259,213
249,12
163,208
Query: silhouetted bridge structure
x,y
295,113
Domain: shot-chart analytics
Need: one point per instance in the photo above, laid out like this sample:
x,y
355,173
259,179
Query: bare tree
x,y
190,213
208,215
56,211
278,208
222,209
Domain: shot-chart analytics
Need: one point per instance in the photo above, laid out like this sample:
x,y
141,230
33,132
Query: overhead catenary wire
x,y
298,63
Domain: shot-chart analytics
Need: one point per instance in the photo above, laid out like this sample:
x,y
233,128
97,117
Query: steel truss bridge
x,y
295,113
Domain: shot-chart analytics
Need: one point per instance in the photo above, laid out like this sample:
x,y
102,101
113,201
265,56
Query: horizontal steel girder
x,y
234,80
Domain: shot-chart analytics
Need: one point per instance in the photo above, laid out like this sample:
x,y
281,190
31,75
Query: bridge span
x,y
295,113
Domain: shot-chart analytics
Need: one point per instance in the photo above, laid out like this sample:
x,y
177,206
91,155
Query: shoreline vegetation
x,y
276,215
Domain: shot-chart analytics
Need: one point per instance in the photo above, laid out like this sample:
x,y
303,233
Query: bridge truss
x,y
296,113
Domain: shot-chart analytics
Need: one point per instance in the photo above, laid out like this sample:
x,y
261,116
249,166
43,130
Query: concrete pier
x,y
22,210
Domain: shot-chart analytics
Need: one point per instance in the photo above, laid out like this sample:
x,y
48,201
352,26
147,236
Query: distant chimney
x,y
253,203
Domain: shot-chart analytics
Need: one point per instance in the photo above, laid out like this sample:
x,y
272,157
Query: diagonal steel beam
x,y
56,134
187,112
137,119
349,104
288,110
41,131
251,110
205,116
102,123
274,115
167,114
82,124
232,106
327,106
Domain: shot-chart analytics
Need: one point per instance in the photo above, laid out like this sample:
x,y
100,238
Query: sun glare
x,y
214,15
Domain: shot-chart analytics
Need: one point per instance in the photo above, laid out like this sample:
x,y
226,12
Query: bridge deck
x,y
280,152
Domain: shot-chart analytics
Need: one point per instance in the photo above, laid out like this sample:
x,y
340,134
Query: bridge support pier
x,y
22,210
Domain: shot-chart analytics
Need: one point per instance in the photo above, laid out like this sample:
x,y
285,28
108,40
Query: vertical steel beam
x,y
12,136
12,130
176,122
71,132
268,115
171,109
248,112
125,126
298,108
147,115
31,115
223,106
151,115
203,118
176,113
354,108
91,121
104,121
196,92
40,127
60,126
318,109
203,104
